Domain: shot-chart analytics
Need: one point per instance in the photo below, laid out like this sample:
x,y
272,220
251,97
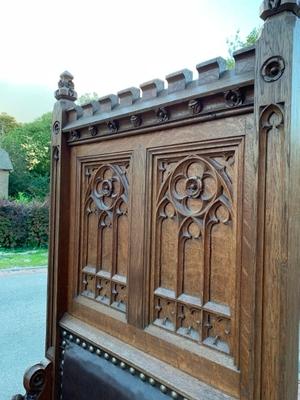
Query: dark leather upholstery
x,y
87,376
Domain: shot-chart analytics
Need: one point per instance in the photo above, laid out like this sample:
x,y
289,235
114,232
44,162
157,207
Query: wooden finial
x,y
65,89
272,7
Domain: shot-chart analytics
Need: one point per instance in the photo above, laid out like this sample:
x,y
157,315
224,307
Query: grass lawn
x,y
20,258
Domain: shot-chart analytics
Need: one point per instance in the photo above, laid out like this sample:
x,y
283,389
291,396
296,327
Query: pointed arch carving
x,y
105,232
194,213
271,117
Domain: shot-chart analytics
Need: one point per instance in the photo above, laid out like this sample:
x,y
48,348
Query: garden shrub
x,y
23,224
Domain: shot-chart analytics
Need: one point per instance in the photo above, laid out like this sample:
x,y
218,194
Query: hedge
x,y
23,224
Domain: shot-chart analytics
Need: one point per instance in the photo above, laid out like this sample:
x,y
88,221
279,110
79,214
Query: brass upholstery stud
x,y
142,376
163,388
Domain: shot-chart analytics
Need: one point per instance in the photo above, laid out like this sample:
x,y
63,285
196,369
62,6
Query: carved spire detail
x,y
65,89
272,7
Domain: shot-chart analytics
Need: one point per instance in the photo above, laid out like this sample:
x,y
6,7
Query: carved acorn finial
x,y
65,89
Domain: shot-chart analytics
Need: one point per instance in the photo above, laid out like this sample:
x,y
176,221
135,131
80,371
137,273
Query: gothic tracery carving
x,y
271,117
194,184
104,261
195,198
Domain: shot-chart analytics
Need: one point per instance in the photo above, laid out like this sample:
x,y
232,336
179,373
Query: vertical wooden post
x,y
59,216
277,112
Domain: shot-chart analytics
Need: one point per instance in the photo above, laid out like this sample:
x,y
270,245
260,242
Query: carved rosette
x,y
107,187
233,98
162,115
195,106
93,130
273,69
136,121
74,135
113,126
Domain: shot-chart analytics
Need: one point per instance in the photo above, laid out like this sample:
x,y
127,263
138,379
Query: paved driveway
x,y
22,326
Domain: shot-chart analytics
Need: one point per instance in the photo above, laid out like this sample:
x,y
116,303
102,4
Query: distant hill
x,y
25,102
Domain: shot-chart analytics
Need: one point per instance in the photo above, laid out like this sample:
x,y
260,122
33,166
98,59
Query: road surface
x,y
22,326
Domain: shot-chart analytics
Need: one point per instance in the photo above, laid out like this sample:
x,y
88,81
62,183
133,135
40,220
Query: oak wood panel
x,y
201,204
208,140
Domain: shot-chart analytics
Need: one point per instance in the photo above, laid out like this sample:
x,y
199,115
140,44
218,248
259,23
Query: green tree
x,y
7,123
237,43
87,97
29,148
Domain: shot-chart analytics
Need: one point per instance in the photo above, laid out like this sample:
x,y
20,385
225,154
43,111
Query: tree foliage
x,y
7,123
87,98
237,43
23,224
29,148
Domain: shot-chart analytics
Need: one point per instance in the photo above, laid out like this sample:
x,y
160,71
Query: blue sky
x,y
108,45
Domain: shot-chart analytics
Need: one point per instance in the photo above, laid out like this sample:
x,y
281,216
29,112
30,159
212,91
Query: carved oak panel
x,y
104,237
194,274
